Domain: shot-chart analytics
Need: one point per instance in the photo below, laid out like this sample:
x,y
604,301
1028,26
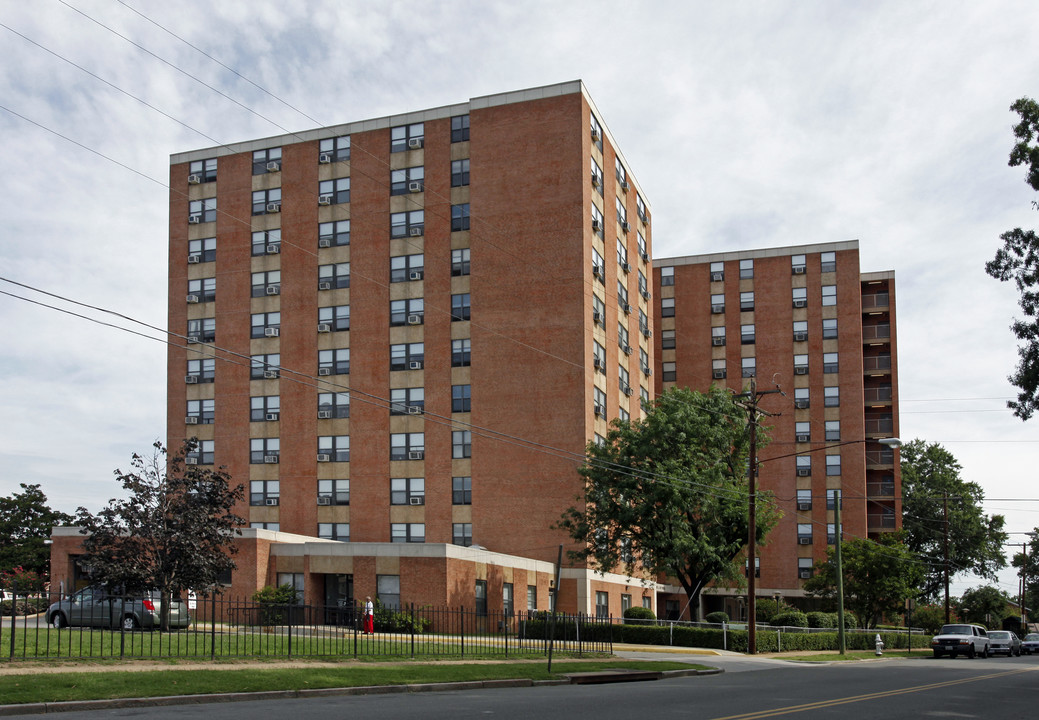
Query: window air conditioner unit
x,y
191,461
718,374
323,457
324,414
647,332
324,286
271,417
596,226
799,269
324,328
596,182
800,369
273,249
274,207
416,454
273,289
626,349
802,437
804,574
191,420
324,199
193,259
270,501
269,374
647,371
599,364
324,371
415,143
644,219
599,272
799,303
324,159
194,179
415,275
192,340
804,541
803,472
273,166
625,226
415,365
596,317
718,340
270,459
415,232
626,308
596,136
804,506
414,410
324,242
645,294
644,255
194,219
414,319
417,501
624,185
271,332
192,299
414,186
600,411
626,267
800,404
191,379
324,500
627,390
800,336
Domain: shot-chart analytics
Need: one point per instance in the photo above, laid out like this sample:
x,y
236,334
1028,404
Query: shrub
x,y
639,613
274,602
765,609
790,618
851,620
389,619
717,618
818,619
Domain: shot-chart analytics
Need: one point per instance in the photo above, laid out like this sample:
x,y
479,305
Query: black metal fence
x,y
226,627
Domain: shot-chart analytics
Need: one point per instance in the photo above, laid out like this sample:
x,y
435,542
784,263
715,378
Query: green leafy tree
x,y
1028,560
929,617
175,530
1018,260
879,576
25,525
976,540
668,494
985,605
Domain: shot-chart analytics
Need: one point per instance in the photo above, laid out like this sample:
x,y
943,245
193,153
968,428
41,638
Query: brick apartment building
x,y
806,320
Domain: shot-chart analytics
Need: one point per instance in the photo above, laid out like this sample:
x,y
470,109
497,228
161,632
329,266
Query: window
x,y
402,400
334,531
264,492
831,396
460,217
746,334
507,599
718,335
622,214
829,328
461,491
640,206
667,276
202,454
480,595
333,192
265,325
462,534
407,491
833,464
643,251
622,255
598,402
670,372
264,408
623,338
407,224
266,242
598,266
461,352
266,201
622,175
407,446
643,286
797,264
644,362
264,450
202,171
829,295
201,411
622,296
333,362
407,267
799,297
667,339
203,290
597,177
625,602
407,312
749,367
272,526
409,180
461,444
800,330
407,137
407,356
265,161
387,590
602,604
333,234
804,465
644,324
597,221
460,262
333,277
828,262
460,172
598,311
667,307
266,283
746,269
335,149
333,405
718,368
801,399
717,271
746,301
408,532
804,500
264,366
746,568
596,133
833,430
461,398
459,128
203,250
202,330
804,568
800,364
337,492
718,303
532,597
333,448
831,533
804,533
644,399
460,306
830,364
202,211
803,431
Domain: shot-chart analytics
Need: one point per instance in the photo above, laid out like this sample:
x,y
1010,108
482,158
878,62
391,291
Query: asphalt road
x,y
750,688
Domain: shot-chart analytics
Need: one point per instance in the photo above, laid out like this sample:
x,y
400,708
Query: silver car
x,y
93,607
1004,642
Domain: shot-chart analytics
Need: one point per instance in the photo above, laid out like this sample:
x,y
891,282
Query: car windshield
x,y
956,630
999,635
1032,636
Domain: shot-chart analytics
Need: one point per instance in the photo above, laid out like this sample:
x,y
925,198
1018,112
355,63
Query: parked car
x,y
1030,644
961,639
1004,642
94,607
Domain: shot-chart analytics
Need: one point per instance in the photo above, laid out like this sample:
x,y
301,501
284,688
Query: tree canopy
x,y
879,576
25,525
1018,260
668,494
976,540
985,605
175,530
1028,558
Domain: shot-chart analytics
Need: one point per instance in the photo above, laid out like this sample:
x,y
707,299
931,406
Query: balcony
x,y
880,521
873,333
880,489
877,395
876,301
879,426
876,365
883,459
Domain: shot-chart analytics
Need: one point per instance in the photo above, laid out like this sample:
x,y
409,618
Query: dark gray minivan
x,y
93,607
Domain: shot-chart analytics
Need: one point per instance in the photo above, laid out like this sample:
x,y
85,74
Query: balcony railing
x,y
876,363
880,489
876,332
876,426
875,300
877,394
885,456
880,520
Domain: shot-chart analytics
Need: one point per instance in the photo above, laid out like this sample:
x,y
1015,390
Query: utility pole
x,y
837,499
945,513
1024,576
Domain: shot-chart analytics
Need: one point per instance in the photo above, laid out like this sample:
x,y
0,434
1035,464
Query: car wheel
x,y
971,652
937,653
130,623
58,621
984,652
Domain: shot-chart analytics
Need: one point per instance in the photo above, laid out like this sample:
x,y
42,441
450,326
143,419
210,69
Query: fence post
x,y
461,627
779,639
14,607
354,623
122,628
212,625
288,612
412,631
671,634
725,635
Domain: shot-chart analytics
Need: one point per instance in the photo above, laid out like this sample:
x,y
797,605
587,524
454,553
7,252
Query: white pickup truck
x,y
961,639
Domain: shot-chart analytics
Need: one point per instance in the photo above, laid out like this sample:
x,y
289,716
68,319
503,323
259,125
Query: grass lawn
x,y
115,683
833,655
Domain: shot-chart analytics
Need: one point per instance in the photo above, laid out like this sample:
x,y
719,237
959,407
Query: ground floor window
x,y
602,604
388,590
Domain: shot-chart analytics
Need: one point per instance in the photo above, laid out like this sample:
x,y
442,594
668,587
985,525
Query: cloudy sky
x,y
748,125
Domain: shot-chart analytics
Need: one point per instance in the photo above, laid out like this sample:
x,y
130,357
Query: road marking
x,y
869,696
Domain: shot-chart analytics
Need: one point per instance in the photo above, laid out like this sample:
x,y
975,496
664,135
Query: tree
x,y
1018,260
930,473
668,494
879,576
174,532
985,605
1029,560
25,525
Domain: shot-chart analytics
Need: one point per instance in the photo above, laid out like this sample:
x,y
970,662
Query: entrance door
x,y
339,600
